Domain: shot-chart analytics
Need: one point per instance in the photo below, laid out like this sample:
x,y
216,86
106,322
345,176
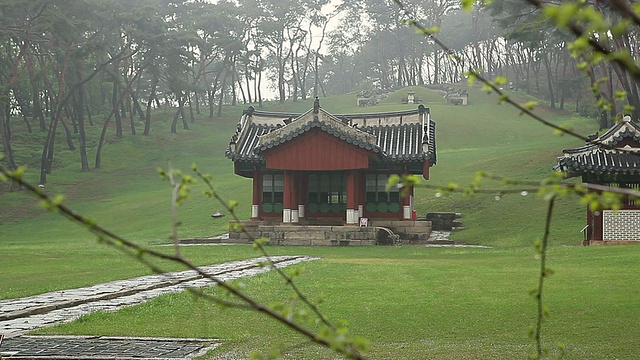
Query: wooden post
x,y
286,211
257,192
352,197
294,196
302,193
407,207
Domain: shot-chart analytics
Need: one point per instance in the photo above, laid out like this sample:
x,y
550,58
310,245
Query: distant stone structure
x,y
444,221
457,97
370,97
411,98
600,162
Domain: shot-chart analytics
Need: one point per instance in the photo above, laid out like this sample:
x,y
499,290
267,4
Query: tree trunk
x,y
197,102
212,94
35,88
259,91
547,66
23,111
603,120
176,116
233,84
105,126
248,82
191,115
152,94
5,132
84,161
68,135
222,87
114,97
211,102
239,80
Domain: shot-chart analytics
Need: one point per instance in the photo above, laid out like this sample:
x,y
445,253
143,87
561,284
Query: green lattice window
x,y
272,193
628,200
377,198
327,193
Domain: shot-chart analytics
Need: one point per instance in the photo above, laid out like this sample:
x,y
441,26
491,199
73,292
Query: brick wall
x,y
621,225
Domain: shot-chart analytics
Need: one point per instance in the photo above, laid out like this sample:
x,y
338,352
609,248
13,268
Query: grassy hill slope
x,y
127,195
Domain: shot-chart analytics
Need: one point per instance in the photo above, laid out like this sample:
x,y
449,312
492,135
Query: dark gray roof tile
x,y
401,142
600,156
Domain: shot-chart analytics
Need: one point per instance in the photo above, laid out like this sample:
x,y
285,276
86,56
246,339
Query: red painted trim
x,y
287,190
396,215
269,215
362,188
317,151
425,169
257,191
342,215
257,187
626,141
303,180
351,190
594,231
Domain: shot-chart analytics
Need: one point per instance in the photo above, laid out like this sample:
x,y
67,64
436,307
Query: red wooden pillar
x,y
257,192
302,194
361,188
595,229
294,196
286,211
352,197
407,205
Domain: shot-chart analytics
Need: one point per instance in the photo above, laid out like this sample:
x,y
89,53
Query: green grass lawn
x,y
419,303
411,302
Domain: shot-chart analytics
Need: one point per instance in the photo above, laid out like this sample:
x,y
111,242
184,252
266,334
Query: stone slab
x,y
104,347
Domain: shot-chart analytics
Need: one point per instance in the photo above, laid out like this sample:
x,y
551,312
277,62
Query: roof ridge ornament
x,y
626,119
316,105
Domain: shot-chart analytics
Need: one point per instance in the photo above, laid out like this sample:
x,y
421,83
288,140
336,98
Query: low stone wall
x,y
610,242
306,235
319,235
410,233
444,221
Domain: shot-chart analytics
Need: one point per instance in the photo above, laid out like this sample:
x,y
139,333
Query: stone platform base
x,y
379,232
610,242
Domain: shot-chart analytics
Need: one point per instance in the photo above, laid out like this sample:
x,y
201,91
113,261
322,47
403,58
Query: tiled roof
x,y
397,137
244,149
324,121
600,155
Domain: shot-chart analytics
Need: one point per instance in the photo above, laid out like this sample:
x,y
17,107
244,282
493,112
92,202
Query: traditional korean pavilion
x,y
321,168
599,162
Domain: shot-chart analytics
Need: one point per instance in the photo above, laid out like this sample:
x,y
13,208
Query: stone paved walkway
x,y
439,235
17,316
103,347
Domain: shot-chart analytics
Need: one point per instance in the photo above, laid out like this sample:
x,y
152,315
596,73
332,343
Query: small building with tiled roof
x,y
612,159
323,168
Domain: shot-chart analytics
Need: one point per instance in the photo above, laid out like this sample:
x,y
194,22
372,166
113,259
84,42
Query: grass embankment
x,y
411,302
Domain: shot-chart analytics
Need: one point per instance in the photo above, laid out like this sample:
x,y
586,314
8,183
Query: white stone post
x,y
351,218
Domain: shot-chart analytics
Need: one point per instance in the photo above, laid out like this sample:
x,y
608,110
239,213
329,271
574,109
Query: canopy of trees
x,y
65,62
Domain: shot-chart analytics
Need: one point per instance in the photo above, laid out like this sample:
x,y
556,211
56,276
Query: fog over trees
x,y
67,63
